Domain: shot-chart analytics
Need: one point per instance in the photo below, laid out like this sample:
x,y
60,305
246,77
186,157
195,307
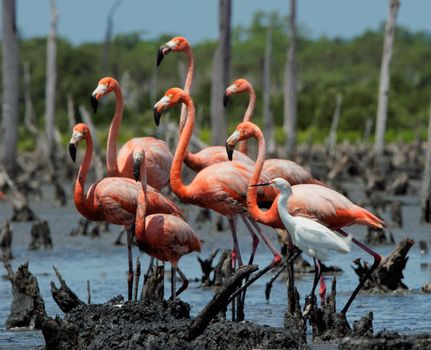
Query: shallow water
x,y
82,258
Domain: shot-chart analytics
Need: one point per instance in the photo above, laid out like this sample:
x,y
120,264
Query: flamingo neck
x,y
176,181
79,195
111,150
248,115
187,85
142,206
265,217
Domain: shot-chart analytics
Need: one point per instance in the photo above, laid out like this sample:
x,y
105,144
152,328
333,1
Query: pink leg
x,y
377,259
277,257
129,255
236,254
253,235
322,290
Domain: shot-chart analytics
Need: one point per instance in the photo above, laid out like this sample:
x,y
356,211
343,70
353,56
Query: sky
x,y
85,20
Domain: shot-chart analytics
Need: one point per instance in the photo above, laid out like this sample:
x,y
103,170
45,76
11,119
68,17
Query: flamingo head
x,y
138,158
239,85
105,86
177,44
172,97
80,132
244,131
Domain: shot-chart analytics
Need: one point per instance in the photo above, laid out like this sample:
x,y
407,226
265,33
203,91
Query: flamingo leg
x,y
254,236
377,259
277,257
173,283
236,254
278,273
185,282
129,255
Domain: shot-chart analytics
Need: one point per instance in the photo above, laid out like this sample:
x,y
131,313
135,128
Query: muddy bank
x,y
388,340
155,326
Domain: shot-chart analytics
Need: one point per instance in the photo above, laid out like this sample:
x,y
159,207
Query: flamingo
x,y
159,158
221,187
163,236
313,201
286,169
212,154
112,199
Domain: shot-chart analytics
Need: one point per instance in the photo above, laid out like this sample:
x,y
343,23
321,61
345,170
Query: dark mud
x,y
156,326
388,340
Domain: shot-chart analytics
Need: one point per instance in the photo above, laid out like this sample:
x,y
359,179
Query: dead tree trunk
x,y
220,75
382,104
70,112
29,116
51,82
9,132
290,85
426,180
268,118
332,137
108,36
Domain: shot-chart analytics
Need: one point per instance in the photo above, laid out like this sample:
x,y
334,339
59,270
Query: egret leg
x,y
185,282
129,255
377,259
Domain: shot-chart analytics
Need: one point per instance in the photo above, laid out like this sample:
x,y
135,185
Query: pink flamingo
x,y
209,155
308,200
221,187
159,158
286,169
163,236
112,199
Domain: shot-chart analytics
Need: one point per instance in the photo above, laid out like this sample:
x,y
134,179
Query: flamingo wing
x,y
290,171
117,199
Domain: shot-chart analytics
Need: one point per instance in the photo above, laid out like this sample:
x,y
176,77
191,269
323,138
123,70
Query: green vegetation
x,y
327,67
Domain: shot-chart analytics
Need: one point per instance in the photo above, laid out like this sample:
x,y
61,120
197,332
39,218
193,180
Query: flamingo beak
x,y
94,103
136,169
157,115
72,151
163,51
225,99
229,151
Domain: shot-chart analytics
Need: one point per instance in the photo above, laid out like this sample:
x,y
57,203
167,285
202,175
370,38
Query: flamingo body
x,y
168,238
290,171
158,160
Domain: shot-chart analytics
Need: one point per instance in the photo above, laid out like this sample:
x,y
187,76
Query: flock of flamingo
x,y
274,192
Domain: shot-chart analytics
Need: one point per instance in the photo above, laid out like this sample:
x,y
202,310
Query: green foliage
x,y
326,67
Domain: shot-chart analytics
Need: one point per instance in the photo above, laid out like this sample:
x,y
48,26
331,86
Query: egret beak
x,y
94,103
225,100
157,115
265,184
137,169
72,151
229,151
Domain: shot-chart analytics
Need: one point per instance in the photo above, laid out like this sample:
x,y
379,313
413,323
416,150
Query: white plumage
x,y
311,237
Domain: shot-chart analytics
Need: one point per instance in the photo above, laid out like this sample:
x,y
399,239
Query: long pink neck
x,y
248,115
142,206
264,217
79,195
187,84
177,184
111,149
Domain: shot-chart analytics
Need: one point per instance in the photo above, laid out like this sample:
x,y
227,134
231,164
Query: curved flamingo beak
x,y
97,94
94,103
231,142
159,107
231,89
229,151
72,151
157,115
164,50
